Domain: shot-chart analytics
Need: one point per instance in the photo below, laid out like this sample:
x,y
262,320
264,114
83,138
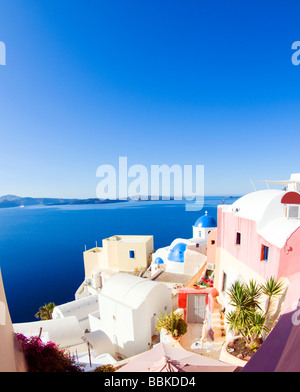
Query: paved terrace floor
x,y
211,349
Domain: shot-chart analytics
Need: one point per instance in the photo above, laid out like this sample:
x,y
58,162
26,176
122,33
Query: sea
x,y
41,247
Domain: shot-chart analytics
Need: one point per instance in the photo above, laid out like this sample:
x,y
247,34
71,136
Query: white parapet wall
x,y
79,308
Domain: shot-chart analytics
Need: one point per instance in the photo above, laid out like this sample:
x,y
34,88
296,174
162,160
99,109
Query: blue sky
x,y
161,82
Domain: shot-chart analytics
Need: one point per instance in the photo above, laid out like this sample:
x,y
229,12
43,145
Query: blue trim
x,y
266,253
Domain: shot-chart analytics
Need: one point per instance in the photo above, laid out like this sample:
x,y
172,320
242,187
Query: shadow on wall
x,y
13,360
128,349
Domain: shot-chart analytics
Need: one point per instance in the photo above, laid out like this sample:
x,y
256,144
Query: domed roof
x,y
158,260
177,252
206,221
257,205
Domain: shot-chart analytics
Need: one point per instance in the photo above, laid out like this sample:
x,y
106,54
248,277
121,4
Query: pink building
x,y
258,237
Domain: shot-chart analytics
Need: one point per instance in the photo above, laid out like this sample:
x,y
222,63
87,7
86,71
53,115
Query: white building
x,y
68,335
64,332
119,253
203,226
79,308
128,310
185,256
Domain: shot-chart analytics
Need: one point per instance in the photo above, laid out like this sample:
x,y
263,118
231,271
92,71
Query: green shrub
x,y
105,368
173,323
247,318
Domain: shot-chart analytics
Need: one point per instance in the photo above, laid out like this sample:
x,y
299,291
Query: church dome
x,y
177,253
205,221
158,260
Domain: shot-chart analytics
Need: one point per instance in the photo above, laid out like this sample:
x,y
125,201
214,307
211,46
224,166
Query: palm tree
x,y
254,292
247,318
271,289
257,328
45,312
244,298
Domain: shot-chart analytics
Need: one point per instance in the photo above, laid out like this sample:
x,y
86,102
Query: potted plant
x,y
204,283
173,324
248,322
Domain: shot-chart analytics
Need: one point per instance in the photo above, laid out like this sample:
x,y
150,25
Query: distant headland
x,y
17,201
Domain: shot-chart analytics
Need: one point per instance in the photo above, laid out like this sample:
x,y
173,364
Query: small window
x,y
199,233
131,254
264,253
293,212
213,242
238,238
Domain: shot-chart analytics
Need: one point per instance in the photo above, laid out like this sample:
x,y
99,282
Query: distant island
x,y
17,201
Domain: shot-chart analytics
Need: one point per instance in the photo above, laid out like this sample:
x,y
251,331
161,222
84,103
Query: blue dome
x,y
158,260
206,221
177,253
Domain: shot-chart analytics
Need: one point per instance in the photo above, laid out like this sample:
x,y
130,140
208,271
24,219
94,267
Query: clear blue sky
x,y
161,82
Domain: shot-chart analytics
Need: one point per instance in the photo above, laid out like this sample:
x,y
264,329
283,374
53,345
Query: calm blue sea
x,y
41,248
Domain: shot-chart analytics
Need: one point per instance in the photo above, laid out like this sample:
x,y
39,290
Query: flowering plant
x,y
206,282
45,357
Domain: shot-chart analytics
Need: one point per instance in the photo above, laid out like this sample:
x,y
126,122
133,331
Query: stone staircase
x,y
191,340
218,324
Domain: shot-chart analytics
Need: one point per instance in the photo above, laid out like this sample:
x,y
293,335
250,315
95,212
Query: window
x,y
264,253
293,212
131,254
213,242
238,238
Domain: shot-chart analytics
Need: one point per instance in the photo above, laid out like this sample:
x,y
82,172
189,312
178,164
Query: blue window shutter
x,y
266,253
131,254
